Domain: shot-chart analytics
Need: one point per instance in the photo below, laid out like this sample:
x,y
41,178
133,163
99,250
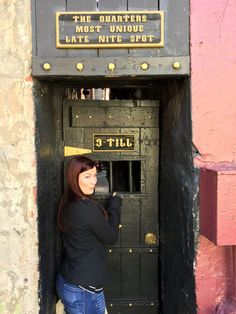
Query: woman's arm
x,y
106,231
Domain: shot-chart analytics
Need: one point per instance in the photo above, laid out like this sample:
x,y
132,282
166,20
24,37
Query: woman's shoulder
x,y
76,210
83,210
82,203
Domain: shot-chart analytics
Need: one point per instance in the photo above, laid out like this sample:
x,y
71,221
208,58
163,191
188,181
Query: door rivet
x,y
130,304
110,251
80,67
152,304
144,66
120,226
111,67
47,66
130,250
111,304
176,65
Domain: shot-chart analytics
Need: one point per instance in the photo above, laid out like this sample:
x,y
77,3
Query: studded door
x,y
124,136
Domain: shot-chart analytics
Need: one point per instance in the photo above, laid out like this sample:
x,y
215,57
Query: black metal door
x,y
124,136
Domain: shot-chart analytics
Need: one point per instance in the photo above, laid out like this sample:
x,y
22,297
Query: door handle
x,y
150,238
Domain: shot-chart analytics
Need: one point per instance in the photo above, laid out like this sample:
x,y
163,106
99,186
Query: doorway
x,y
174,178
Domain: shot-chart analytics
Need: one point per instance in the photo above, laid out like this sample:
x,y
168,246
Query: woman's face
x,y
87,181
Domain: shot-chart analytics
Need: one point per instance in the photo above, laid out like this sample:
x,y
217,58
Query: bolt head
x,y
176,65
46,66
80,67
144,66
111,67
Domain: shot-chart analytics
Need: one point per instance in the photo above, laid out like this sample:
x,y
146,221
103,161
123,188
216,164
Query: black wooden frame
x,y
63,62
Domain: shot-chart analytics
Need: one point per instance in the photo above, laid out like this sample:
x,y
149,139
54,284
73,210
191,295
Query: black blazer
x,y
84,260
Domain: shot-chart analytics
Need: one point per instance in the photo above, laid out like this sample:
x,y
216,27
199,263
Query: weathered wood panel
x,y
114,117
130,231
46,27
141,5
95,67
176,27
130,266
82,5
149,271
114,268
112,5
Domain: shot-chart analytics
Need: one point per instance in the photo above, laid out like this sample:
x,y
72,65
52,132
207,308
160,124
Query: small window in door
x,y
121,175
120,171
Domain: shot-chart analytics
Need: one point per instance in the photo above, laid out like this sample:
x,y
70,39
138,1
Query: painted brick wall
x,y
18,219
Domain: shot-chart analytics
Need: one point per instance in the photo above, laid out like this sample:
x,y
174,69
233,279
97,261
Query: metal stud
x,y
111,304
130,304
149,117
150,251
110,251
90,117
76,116
152,304
176,65
144,66
80,67
120,226
47,66
111,67
130,250
109,117
129,117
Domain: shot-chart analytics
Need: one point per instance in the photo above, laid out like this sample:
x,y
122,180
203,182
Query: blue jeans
x,y
79,301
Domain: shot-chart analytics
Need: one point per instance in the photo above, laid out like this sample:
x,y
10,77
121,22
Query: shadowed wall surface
x,y
178,186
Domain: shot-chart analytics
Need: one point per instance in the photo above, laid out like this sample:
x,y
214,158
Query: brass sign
x,y
113,142
110,29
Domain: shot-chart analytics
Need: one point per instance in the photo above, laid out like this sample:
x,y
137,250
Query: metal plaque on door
x,y
113,142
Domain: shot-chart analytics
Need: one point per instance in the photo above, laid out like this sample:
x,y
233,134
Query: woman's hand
x,y
114,202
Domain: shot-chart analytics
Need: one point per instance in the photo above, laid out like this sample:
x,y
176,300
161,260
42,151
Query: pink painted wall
x,y
213,85
213,62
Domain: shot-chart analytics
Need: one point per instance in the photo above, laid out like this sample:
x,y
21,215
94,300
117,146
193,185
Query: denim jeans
x,y
79,301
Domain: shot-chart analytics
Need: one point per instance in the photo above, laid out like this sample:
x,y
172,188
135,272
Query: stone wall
x,y
18,219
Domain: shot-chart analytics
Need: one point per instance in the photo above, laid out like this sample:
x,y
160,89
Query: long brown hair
x,y
76,166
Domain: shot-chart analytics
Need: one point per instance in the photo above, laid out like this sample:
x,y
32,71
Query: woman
x,y
86,227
